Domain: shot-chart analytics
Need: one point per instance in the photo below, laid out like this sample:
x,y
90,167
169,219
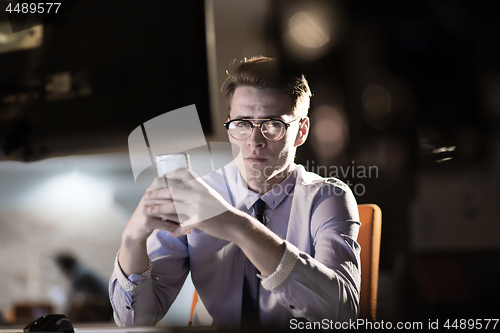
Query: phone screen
x,y
169,162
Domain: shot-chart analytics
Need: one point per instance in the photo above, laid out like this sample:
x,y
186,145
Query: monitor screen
x,y
84,81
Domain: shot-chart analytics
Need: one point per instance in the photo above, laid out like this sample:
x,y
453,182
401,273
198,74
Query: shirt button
x,y
128,307
292,307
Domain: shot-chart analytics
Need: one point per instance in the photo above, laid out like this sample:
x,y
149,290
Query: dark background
x,y
439,61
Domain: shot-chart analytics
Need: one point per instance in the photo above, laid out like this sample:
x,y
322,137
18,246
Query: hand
x,y
196,203
201,207
154,206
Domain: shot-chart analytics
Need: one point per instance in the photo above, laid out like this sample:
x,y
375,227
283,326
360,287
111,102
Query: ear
x,y
303,132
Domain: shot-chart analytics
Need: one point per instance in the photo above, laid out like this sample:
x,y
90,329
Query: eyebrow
x,y
268,117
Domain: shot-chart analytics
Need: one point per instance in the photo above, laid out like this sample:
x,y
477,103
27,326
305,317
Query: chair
x,y
369,236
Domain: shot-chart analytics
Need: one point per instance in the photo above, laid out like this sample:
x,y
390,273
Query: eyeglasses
x,y
271,129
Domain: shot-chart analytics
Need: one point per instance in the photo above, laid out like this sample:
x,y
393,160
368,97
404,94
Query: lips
x,y
256,158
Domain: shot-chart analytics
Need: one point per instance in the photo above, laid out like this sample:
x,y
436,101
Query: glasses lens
x,y
240,129
273,130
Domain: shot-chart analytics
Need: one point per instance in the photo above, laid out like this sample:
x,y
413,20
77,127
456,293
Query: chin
x,y
259,171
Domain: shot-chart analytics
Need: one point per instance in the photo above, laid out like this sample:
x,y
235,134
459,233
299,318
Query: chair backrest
x,y
369,236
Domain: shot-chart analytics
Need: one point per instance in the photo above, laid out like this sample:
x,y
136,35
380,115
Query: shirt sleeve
x,y
130,284
143,300
285,267
326,283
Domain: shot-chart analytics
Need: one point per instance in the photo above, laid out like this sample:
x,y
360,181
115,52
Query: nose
x,y
256,139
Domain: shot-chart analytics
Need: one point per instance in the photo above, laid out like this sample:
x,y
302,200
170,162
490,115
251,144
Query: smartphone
x,y
169,162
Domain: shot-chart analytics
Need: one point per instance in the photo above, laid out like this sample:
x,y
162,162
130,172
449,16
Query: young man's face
x,y
262,162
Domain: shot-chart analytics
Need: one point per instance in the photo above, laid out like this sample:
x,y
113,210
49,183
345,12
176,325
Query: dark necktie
x,y
250,301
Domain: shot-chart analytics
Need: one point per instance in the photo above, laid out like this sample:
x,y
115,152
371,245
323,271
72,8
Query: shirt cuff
x,y
285,267
128,284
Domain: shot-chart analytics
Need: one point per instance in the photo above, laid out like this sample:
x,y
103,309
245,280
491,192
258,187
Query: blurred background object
x,y
96,73
406,110
25,312
87,298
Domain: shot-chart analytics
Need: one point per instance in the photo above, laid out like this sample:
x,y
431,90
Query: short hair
x,y
262,73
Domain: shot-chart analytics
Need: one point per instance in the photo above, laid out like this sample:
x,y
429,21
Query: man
x,y
88,298
302,246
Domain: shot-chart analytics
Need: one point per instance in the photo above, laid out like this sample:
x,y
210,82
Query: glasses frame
x,y
248,120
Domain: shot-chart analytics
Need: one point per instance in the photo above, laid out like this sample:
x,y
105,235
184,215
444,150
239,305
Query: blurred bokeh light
x,y
329,132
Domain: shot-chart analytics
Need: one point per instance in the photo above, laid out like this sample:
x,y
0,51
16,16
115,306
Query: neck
x,y
265,186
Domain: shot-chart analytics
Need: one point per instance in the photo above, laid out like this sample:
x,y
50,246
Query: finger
x,y
181,231
159,194
164,201
171,218
190,174
178,189
192,210
176,218
156,202
182,193
158,183
167,225
181,174
160,211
